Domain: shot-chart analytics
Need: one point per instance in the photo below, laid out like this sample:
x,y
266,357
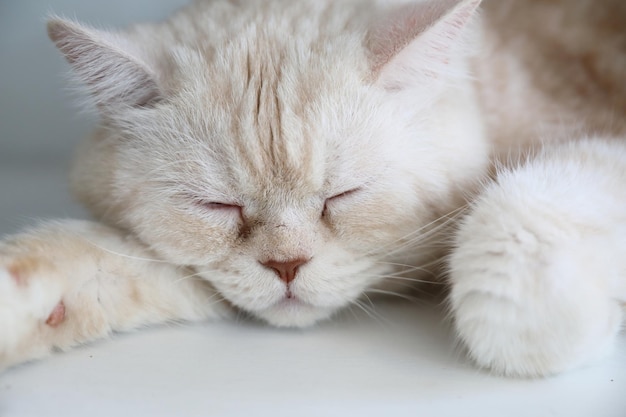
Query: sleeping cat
x,y
284,158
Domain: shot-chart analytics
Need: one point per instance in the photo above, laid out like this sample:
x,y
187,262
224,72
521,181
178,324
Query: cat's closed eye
x,y
213,205
223,208
337,197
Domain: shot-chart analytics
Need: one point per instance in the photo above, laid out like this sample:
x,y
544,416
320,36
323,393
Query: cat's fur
x,y
283,158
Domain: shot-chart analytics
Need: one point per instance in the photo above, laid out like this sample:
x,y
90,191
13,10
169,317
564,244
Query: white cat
x,y
283,158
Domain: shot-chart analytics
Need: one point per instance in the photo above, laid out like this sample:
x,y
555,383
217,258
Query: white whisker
x,y
395,294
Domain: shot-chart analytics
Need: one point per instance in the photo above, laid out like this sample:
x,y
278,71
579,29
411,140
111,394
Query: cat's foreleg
x,y
71,282
538,276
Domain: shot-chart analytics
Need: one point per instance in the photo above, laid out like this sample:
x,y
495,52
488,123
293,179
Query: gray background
x,y
40,122
37,117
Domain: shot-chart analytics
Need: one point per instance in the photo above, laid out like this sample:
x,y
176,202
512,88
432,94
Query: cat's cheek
x,y
184,239
370,228
245,285
339,286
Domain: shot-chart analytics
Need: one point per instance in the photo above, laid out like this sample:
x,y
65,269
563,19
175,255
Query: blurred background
x,y
40,122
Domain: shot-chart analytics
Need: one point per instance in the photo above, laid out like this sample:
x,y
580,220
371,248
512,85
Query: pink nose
x,y
286,271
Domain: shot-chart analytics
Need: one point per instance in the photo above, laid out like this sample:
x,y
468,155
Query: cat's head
x,y
291,152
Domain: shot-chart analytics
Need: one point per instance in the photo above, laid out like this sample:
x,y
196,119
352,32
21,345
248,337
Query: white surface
x,y
397,364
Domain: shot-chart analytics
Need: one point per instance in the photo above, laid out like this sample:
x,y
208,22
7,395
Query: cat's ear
x,y
418,42
111,67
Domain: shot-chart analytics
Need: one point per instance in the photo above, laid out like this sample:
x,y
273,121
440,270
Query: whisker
x,y
368,311
351,310
411,269
396,294
419,234
434,232
395,264
414,280
194,275
212,300
369,300
122,255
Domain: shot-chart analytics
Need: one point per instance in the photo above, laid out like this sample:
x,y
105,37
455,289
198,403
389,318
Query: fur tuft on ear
x,y
417,43
108,64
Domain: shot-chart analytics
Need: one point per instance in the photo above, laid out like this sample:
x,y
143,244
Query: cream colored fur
x,y
346,136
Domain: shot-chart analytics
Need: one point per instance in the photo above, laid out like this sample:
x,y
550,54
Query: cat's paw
x,y
31,307
524,322
530,295
66,283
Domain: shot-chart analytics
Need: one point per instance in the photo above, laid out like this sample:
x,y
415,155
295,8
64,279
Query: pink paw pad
x,y
22,269
57,316
17,275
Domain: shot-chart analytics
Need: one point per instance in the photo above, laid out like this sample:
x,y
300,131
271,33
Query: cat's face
x,y
322,175
289,179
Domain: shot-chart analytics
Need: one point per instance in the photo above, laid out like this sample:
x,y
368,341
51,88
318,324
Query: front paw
x,y
532,334
30,308
528,296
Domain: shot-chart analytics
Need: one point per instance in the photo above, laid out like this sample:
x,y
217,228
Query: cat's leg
x,y
538,275
70,282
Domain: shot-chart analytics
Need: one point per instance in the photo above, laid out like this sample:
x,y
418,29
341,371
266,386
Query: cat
x,y
283,158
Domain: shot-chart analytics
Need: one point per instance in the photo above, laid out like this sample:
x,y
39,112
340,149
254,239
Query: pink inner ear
x,y
111,68
407,23
398,30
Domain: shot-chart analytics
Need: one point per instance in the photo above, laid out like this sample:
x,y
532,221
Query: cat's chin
x,y
294,313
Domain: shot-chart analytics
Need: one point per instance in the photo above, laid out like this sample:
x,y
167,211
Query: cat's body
x,y
285,157
551,71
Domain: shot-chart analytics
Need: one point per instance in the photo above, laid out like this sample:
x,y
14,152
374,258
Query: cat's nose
x,y
286,271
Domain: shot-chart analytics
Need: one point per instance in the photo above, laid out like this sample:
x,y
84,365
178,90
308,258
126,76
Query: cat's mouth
x,y
292,301
292,311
